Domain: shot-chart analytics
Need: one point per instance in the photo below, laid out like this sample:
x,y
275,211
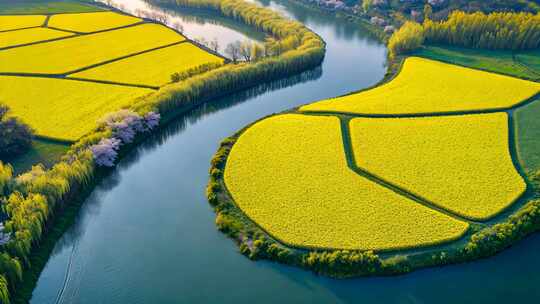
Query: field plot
x,y
532,60
45,7
64,109
289,174
19,22
13,38
460,163
157,65
91,22
428,86
527,124
497,61
70,54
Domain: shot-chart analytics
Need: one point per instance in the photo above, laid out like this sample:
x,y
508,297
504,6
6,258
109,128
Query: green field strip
x,y
455,62
351,163
531,70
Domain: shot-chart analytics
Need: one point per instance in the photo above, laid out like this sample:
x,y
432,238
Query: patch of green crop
x,y
494,61
46,7
46,152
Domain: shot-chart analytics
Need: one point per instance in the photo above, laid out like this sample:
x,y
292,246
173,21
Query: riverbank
x,y
522,218
172,101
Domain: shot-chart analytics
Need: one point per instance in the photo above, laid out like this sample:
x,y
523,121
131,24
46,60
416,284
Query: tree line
x,y
495,31
31,199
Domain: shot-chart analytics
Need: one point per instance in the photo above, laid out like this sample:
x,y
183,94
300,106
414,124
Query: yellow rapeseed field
x,y
461,163
289,174
13,38
18,22
157,65
69,54
63,109
91,22
425,86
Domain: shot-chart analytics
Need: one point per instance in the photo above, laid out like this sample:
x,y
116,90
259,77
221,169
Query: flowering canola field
x,y
38,88
91,22
157,65
289,174
53,57
12,38
428,86
460,163
8,23
69,109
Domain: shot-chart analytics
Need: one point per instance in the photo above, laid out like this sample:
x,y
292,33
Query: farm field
x,y
91,22
451,89
124,64
73,107
158,65
530,59
46,7
527,127
495,61
13,38
316,200
8,23
460,163
43,151
50,57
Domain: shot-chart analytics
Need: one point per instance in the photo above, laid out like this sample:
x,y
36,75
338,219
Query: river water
x,y
146,234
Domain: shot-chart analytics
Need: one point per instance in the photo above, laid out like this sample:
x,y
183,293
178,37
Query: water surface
x,y
147,234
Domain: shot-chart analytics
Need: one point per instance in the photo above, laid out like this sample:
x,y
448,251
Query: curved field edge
x,y
171,102
322,170
482,240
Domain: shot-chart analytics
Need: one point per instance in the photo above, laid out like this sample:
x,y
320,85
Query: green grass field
x,y
42,151
46,7
494,61
527,122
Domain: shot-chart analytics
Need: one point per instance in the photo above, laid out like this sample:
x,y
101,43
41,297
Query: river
x,y
146,234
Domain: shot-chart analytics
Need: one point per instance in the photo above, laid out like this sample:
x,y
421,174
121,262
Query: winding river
x,y
146,234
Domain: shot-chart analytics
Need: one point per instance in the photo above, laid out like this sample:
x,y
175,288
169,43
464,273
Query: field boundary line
x,y
351,163
20,29
61,77
37,42
75,34
123,57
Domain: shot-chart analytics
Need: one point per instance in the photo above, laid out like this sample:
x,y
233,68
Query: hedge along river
x,y
146,234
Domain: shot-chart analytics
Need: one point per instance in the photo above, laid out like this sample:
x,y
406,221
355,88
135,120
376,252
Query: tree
x,y
257,52
408,38
15,136
214,45
233,50
245,50
178,27
366,5
428,12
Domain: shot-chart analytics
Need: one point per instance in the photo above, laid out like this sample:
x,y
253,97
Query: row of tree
x,y
495,31
290,48
30,199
